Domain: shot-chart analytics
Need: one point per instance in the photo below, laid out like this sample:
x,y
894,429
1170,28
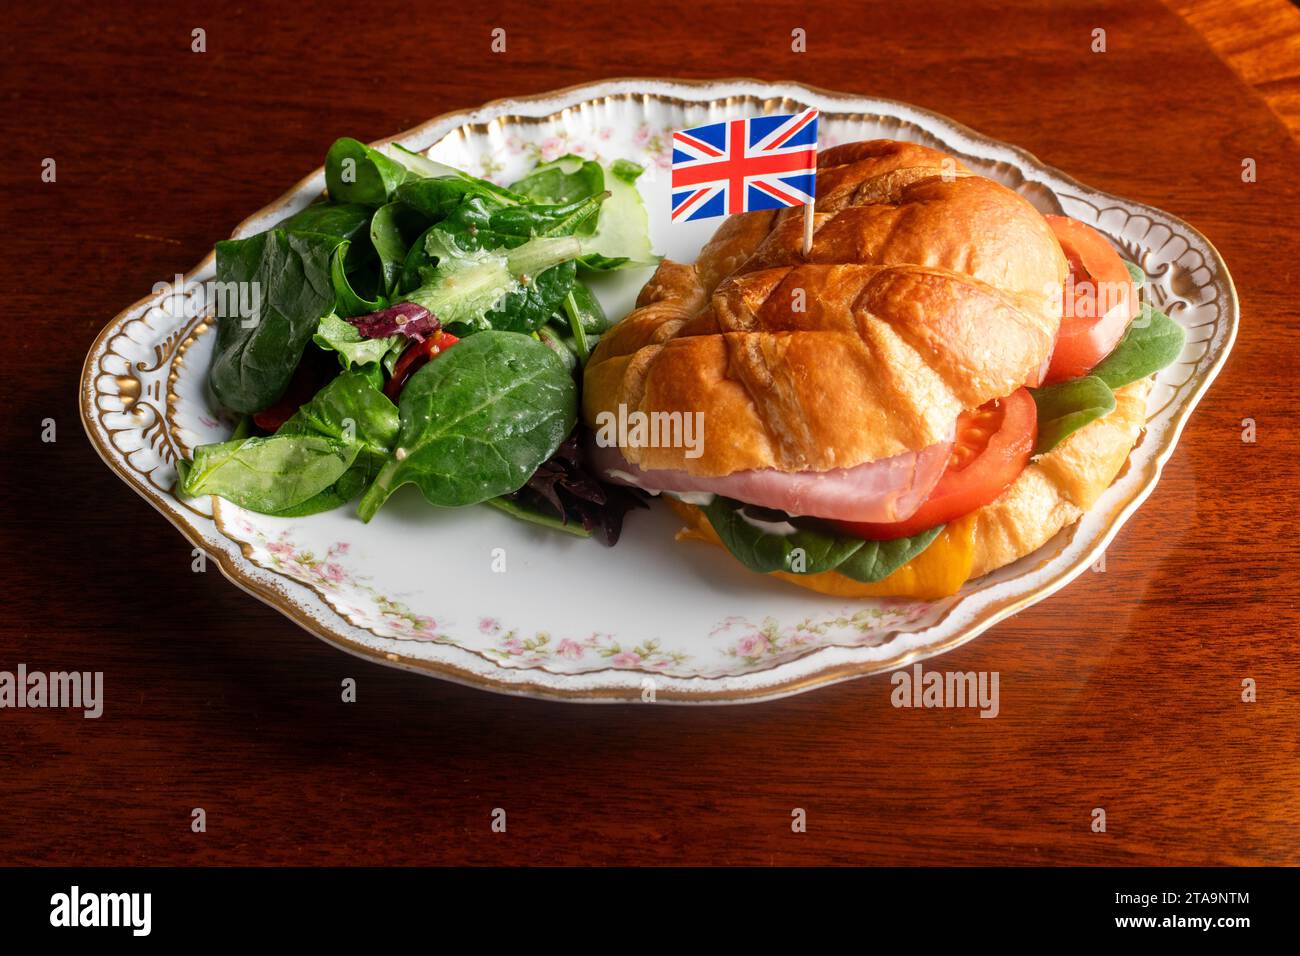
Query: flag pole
x,y
808,227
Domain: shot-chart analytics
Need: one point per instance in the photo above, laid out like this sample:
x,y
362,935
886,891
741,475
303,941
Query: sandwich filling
x,y
888,490
901,525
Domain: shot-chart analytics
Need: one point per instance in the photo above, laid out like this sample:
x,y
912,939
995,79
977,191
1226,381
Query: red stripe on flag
x,y
794,129
697,143
784,197
734,168
736,179
688,203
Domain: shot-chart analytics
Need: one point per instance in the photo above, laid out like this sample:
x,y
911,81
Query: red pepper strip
x,y
414,358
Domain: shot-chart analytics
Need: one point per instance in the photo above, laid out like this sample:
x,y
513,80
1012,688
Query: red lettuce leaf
x,y
405,318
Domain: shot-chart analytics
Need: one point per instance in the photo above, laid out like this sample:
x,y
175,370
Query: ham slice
x,y
887,490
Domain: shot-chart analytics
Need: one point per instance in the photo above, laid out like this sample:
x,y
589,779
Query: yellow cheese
x,y
936,572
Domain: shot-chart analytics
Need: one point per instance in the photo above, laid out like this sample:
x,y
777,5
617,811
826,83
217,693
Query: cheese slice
x,y
938,571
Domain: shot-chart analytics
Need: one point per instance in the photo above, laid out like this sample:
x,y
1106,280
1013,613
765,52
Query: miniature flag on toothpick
x,y
740,165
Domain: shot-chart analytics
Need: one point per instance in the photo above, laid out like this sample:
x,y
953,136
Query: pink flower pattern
x,y
752,644
650,142
332,580
597,649
768,642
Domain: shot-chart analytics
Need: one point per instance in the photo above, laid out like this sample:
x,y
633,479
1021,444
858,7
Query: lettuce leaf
x,y
813,546
1152,341
1066,407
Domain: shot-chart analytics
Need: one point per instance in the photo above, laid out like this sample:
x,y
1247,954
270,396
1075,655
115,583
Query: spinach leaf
x,y
392,231
476,224
419,166
524,222
347,302
626,170
564,180
808,550
417,263
811,548
268,474
527,308
595,262
534,516
350,484
1067,406
349,409
323,456
355,173
339,219
588,310
1152,341
586,320
340,336
438,197
564,347
478,421
876,560
342,219
276,288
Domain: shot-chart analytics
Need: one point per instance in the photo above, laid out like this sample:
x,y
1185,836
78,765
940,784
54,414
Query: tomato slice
x,y
991,449
1100,300
409,362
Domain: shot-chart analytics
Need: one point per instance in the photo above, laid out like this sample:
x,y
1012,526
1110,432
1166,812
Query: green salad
x,y
420,326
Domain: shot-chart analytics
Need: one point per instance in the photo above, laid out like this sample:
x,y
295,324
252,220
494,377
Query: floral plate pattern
x,y
472,596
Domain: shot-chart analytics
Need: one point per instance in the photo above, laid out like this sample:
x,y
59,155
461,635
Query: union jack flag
x,y
762,163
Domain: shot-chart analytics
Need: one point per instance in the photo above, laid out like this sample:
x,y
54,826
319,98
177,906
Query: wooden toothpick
x,y
808,228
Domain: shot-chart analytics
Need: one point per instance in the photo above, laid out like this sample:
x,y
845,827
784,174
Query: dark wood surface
x,y
1121,692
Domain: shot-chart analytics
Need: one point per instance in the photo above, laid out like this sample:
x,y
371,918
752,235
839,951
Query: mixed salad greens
x,y
422,326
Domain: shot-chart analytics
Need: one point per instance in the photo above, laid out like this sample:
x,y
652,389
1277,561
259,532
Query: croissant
x,y
928,291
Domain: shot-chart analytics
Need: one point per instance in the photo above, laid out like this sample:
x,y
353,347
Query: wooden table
x,y
1122,692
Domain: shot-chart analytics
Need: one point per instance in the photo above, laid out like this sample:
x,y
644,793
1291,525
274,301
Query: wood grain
x,y
1123,691
1260,40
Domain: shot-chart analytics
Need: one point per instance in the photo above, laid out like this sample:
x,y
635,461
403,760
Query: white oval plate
x,y
568,618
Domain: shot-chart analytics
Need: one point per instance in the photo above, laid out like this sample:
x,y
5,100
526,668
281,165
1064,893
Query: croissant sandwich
x,y
945,381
